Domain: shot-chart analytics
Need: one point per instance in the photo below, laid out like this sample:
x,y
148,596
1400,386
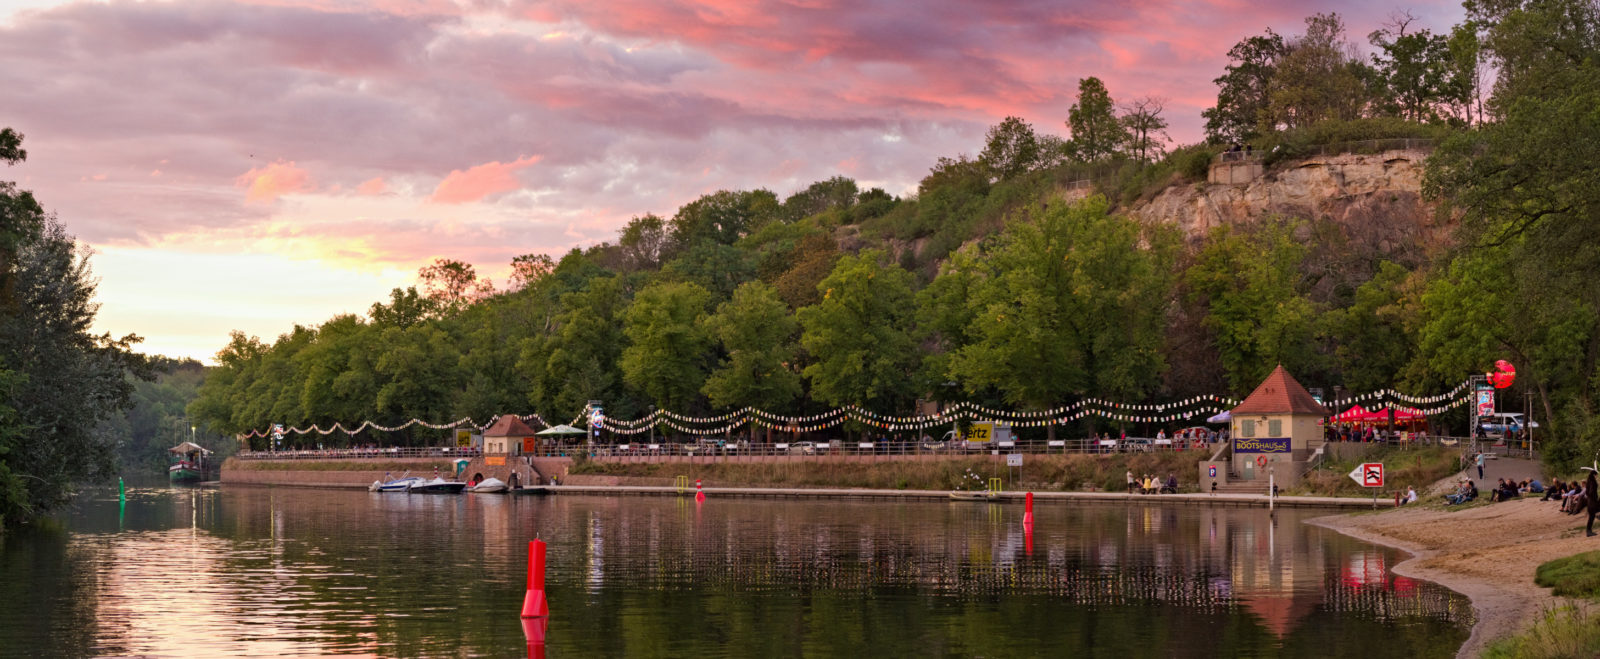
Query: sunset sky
x,y
252,165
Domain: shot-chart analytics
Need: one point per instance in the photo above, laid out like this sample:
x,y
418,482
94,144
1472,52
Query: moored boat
x,y
397,485
188,463
437,486
489,486
979,495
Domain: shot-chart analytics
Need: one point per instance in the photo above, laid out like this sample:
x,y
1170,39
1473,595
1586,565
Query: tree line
x,y
984,285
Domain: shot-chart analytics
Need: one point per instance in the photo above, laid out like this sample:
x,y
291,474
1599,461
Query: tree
x,y
1250,285
1244,91
721,217
1146,130
1071,301
1011,149
859,335
836,193
1096,133
643,241
1372,338
58,382
666,357
453,285
1417,70
580,358
528,269
757,334
1319,78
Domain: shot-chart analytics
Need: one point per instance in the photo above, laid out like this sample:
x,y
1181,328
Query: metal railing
x,y
1336,148
389,453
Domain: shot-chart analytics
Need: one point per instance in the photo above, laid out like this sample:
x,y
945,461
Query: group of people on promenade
x,y
1152,484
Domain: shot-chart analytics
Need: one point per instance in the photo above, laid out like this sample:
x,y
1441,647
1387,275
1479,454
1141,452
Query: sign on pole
x,y
1369,474
1013,459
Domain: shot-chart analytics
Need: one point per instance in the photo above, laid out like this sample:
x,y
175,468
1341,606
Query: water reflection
x,y
247,571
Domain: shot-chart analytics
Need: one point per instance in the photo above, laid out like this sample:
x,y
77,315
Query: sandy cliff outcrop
x,y
1374,200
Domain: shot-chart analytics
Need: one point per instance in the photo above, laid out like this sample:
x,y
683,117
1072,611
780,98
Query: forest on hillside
x,y
987,286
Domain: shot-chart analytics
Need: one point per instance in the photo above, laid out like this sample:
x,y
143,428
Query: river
x,y
251,571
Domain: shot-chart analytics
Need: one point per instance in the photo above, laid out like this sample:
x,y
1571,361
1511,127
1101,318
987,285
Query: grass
x,y
1418,467
1567,631
1039,472
1574,576
1560,633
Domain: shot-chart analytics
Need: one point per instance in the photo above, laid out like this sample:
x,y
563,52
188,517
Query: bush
x,y
1303,142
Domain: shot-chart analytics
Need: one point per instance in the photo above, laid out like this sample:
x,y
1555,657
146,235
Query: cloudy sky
x,y
251,165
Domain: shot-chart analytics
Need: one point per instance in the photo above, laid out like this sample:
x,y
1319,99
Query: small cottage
x,y
509,436
1276,429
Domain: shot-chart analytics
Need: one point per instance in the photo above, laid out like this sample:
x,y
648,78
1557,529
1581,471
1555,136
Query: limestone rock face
x,y
1374,201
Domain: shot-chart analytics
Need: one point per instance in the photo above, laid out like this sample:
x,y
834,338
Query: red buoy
x,y
1027,517
699,494
534,604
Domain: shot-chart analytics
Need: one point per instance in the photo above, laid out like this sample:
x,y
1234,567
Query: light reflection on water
x,y
254,571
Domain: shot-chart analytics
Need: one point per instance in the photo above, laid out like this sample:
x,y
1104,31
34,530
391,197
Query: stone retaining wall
x,y
331,476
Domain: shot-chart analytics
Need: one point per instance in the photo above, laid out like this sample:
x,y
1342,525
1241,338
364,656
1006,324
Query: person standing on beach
x,y
1130,481
1479,460
1594,503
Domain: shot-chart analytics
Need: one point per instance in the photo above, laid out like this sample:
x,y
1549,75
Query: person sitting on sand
x,y
1578,500
1460,495
1172,483
1556,490
1509,491
1535,487
1494,494
1411,494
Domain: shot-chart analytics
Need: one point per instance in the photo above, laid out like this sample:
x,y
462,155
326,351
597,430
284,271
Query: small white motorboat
x,y
973,495
396,485
436,486
489,486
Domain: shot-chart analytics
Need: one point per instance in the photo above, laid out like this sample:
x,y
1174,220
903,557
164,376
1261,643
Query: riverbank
x,y
1488,553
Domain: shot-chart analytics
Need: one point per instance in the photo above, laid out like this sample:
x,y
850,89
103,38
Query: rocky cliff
x,y
1374,202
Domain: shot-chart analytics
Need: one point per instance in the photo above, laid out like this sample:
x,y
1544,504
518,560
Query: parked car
x,y
803,448
1500,422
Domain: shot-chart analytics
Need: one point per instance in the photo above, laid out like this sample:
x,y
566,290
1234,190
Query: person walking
x,y
1479,460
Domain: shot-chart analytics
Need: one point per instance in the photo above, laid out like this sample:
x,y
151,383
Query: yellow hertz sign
x,y
463,438
979,432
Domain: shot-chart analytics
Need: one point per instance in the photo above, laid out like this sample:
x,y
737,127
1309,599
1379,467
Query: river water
x,y
244,571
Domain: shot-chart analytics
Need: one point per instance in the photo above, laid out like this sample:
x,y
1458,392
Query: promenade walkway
x,y
1240,500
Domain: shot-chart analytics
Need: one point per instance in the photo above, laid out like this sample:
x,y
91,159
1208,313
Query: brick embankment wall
x,y
361,472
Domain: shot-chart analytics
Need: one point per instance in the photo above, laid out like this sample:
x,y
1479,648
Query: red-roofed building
x,y
508,434
1275,429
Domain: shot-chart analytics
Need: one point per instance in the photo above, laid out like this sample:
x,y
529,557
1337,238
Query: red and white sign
x,y
1369,474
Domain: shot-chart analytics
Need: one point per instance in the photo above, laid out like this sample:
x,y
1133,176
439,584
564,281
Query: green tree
x,y
668,345
721,217
1096,133
58,382
1373,337
757,334
1250,284
1418,71
836,193
643,241
1317,79
1244,91
453,285
1011,149
1072,302
581,356
859,335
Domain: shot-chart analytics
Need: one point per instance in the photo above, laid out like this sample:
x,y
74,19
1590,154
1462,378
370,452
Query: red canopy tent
x,y
1361,415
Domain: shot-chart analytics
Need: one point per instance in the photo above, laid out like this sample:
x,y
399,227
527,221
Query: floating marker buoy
x,y
534,604
1027,516
122,492
699,494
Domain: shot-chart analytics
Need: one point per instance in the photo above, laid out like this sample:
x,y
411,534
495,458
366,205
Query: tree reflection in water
x,y
313,572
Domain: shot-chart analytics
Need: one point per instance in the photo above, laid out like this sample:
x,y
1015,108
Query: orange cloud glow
x,y
266,184
372,186
490,178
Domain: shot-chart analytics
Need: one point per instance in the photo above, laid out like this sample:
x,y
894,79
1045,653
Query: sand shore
x,y
1488,553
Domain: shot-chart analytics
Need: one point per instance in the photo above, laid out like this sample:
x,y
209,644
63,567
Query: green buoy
x,y
122,492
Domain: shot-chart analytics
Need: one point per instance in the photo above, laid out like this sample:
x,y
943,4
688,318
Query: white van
x,y
1500,422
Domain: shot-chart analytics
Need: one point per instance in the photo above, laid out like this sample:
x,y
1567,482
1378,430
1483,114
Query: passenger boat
x,y
489,486
188,463
437,486
976,495
397,485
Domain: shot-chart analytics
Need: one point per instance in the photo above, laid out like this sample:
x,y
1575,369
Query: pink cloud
x,y
478,182
266,184
372,186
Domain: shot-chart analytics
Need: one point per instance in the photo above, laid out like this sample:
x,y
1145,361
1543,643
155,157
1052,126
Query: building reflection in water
x,y
1276,568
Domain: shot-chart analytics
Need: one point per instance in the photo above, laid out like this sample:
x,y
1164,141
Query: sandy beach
x,y
1488,553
